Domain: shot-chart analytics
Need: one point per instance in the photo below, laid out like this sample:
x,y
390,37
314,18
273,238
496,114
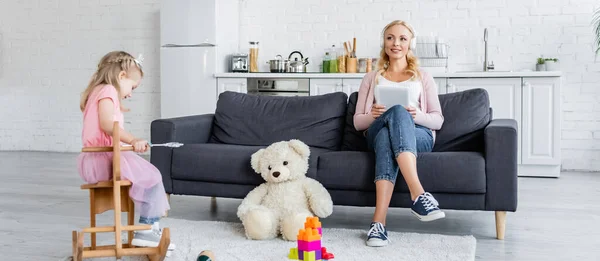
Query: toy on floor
x,y
309,243
206,255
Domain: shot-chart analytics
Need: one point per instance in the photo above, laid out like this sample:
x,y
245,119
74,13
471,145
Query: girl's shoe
x,y
149,238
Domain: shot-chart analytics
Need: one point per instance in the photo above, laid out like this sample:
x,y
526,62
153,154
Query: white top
x,y
413,86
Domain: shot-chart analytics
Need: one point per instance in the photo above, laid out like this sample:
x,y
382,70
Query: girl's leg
x,y
150,238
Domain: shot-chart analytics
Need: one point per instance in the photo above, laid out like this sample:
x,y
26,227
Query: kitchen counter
x,y
316,75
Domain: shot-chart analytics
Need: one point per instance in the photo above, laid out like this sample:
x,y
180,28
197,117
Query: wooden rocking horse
x,y
114,195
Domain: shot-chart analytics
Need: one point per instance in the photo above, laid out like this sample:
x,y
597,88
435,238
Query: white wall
x,y
48,50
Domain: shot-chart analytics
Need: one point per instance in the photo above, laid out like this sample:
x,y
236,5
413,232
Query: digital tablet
x,y
389,96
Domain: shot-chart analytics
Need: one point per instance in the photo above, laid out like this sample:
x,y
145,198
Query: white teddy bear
x,y
287,198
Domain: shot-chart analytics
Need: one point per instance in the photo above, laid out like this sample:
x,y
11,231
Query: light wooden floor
x,y
557,219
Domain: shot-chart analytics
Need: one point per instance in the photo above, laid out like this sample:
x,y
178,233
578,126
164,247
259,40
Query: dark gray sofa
x,y
473,165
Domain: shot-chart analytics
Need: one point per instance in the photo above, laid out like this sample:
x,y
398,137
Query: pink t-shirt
x,y
92,135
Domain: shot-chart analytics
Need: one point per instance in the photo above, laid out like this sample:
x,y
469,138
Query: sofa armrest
x,y
501,164
187,130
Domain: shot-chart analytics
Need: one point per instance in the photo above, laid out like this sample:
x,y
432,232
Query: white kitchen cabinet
x,y
232,84
541,126
324,86
351,85
504,96
441,84
534,102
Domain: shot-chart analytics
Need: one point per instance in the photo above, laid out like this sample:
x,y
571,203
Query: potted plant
x,y
541,65
551,64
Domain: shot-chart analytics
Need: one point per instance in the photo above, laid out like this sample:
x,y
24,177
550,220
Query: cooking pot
x,y
277,65
297,66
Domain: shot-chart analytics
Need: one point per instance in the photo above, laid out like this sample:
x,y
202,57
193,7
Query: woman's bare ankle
x,y
378,220
417,193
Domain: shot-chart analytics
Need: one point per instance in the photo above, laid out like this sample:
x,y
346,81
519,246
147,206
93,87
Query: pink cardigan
x,y
431,111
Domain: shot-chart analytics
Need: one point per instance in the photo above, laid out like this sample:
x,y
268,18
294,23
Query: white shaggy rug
x,y
228,243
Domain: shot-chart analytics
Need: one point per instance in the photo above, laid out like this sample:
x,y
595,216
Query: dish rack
x,y
432,55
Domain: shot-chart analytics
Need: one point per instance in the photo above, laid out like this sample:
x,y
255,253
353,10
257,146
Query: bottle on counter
x,y
333,65
253,57
341,60
326,61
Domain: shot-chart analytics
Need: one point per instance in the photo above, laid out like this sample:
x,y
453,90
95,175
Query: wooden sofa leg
x,y
500,224
213,204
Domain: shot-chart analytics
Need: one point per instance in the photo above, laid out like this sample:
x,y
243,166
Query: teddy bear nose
x,y
276,174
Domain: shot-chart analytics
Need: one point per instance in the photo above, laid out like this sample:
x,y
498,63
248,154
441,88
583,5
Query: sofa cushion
x,y
466,114
256,120
223,163
353,139
439,172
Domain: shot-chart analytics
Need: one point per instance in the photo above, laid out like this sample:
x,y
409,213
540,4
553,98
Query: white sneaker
x,y
149,238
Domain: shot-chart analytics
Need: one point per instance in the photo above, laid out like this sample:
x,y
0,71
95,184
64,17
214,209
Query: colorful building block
x,y
309,243
309,256
294,254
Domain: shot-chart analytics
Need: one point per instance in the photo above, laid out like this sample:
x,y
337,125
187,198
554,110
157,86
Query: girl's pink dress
x,y
147,190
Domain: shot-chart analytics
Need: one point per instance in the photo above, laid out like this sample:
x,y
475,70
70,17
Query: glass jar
x,y
253,57
362,65
374,64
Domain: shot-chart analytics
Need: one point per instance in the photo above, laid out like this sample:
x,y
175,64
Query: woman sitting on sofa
x,y
398,133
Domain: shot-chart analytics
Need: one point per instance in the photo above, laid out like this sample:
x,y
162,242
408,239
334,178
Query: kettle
x,y
297,66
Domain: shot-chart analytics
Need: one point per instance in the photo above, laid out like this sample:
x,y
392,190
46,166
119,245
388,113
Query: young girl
x,y
398,133
117,75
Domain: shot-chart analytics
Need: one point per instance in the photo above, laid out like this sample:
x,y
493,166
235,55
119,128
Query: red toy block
x,y
325,255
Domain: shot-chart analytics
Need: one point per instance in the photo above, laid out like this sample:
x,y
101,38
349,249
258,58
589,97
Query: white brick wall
x,y
48,50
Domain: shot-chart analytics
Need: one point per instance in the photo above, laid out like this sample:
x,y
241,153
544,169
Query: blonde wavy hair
x,y
108,71
411,59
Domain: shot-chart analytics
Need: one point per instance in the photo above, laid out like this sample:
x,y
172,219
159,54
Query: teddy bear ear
x,y
255,160
300,148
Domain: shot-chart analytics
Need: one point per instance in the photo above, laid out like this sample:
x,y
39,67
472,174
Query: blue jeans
x,y
392,133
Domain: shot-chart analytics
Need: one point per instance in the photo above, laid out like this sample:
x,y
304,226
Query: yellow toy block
x,y
309,234
293,254
309,256
312,222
